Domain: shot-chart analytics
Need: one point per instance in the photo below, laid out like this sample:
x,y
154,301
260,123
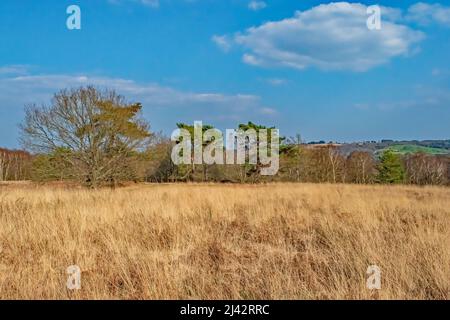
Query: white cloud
x,y
251,59
425,14
223,42
148,3
276,81
257,5
330,37
163,105
268,111
151,93
440,72
417,97
436,72
14,70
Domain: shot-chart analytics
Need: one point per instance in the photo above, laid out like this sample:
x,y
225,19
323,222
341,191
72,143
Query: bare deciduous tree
x,y
98,131
426,169
14,164
360,167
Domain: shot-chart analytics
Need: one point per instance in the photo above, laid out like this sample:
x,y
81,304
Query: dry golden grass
x,y
276,241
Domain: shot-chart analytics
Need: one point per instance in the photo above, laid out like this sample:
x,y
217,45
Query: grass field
x,y
276,241
410,149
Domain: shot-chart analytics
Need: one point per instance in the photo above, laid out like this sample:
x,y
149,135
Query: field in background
x,y
404,149
276,241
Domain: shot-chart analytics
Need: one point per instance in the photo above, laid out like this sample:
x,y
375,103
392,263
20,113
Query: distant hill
x,y
411,148
437,147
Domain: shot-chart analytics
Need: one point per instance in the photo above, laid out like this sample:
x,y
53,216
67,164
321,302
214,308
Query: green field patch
x,y
410,148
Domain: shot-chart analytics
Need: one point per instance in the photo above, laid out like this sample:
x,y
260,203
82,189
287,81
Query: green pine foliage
x,y
391,169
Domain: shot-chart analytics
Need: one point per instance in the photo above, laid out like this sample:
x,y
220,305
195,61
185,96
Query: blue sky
x,y
308,67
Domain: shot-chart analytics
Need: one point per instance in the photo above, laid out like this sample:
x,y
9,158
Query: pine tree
x,y
390,168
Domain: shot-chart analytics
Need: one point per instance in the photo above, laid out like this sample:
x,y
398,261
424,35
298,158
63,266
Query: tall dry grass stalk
x,y
277,241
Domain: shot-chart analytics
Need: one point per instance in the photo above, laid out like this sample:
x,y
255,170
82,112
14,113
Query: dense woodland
x,y
96,138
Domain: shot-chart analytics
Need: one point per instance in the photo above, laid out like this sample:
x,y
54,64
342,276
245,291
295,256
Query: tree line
x,y
97,138
14,164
